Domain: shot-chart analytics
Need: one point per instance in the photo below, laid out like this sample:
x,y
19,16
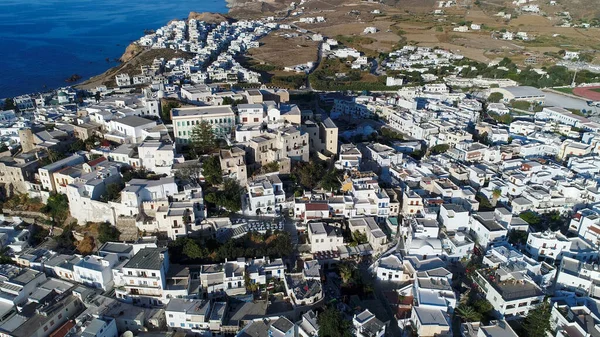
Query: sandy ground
x,y
282,52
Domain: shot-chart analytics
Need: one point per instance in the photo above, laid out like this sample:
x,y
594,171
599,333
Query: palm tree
x,y
496,194
467,313
346,272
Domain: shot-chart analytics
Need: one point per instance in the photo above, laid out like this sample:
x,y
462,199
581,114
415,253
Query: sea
x,y
44,42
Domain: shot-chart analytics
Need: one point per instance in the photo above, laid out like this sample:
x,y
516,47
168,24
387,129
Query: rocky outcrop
x,y
130,52
208,17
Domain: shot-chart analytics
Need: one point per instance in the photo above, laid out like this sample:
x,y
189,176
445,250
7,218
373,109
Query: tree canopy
x,y
57,207
440,148
253,244
537,322
229,197
331,180
495,97
309,174
108,233
203,138
211,170
333,324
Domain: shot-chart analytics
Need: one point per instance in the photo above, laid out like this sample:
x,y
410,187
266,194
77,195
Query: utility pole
x,y
574,76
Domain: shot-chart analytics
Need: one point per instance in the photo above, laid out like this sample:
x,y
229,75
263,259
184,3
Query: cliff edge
x,y
130,52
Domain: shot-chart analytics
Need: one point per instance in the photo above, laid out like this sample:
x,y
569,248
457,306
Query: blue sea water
x,y
43,42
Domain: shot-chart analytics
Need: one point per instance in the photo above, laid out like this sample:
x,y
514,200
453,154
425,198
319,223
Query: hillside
x,y
132,66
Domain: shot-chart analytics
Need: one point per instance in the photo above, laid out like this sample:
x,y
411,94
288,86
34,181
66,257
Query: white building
x,y
95,271
512,296
221,118
324,237
367,325
547,245
199,316
265,195
144,277
390,268
129,129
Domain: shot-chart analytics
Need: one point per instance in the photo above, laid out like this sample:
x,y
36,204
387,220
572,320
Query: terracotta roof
x,y
96,161
63,330
317,207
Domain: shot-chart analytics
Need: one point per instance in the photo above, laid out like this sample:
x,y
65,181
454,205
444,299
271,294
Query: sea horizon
x,y
47,41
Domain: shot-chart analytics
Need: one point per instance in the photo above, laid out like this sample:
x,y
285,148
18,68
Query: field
x,y
565,90
281,52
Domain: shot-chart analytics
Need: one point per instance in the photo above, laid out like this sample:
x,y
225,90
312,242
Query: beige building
x,y
16,171
412,203
571,148
285,143
233,164
323,136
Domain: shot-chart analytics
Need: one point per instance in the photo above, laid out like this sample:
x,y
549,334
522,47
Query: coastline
x,y
131,52
41,60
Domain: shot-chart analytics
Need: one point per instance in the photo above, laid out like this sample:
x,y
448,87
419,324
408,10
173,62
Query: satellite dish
x,y
127,334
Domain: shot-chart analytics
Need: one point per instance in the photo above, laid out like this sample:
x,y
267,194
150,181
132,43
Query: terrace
x,y
510,289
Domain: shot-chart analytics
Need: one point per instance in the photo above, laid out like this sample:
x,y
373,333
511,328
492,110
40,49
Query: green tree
x,y
331,180
52,156
211,170
192,250
203,139
483,306
484,202
531,218
270,167
5,258
496,194
537,322
108,233
229,197
440,148
347,272
77,145
38,235
57,207
309,174
359,238
66,240
467,313
517,238
166,106
9,104
112,192
333,324
391,135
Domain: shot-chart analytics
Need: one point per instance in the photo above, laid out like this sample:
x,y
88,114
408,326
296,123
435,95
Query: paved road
x,y
378,288
554,99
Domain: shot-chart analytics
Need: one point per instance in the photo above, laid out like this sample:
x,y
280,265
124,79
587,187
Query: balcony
x,y
141,276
